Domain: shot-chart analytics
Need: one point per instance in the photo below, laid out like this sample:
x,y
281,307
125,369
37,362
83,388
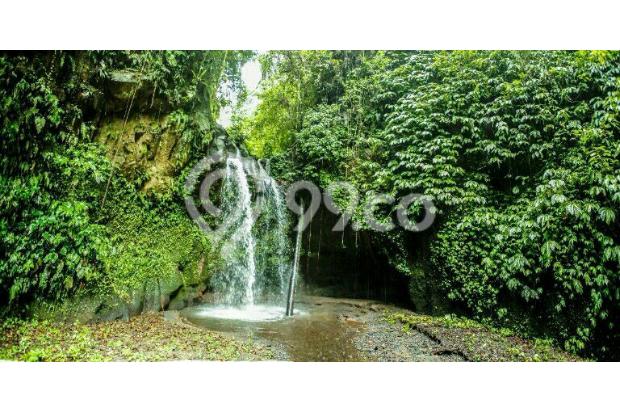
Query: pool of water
x,y
248,313
317,332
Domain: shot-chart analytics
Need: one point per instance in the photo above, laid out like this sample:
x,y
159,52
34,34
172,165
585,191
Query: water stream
x,y
251,284
235,283
279,230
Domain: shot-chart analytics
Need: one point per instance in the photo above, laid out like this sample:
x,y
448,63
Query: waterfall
x,y
274,193
235,284
255,248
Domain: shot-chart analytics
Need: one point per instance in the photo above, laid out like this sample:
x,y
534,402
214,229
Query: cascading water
x,y
278,231
234,285
252,282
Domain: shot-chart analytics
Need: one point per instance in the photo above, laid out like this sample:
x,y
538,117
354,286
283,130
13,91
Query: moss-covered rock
x,y
130,87
147,149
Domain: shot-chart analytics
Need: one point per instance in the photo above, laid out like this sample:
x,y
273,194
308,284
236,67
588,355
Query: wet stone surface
x,y
384,342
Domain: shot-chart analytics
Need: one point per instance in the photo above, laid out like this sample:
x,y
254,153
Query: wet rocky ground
x,y
376,339
325,329
329,329
386,342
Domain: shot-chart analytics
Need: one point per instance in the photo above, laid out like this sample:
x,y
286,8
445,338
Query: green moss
x,y
449,321
154,247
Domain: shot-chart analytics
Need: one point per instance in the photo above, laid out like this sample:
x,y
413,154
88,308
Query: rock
x,y
96,309
130,87
159,292
145,146
186,296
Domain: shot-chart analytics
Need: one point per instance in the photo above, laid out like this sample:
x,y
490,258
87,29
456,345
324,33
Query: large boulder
x,y
146,148
131,90
187,296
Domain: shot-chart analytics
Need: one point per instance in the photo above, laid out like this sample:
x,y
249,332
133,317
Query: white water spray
x,y
281,238
235,285
255,249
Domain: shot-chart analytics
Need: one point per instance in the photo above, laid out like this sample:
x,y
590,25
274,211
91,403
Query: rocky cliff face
x,y
146,148
139,133
151,143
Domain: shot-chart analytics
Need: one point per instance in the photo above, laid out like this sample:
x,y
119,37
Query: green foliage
x,y
526,167
49,245
189,80
154,244
293,81
519,152
322,143
57,236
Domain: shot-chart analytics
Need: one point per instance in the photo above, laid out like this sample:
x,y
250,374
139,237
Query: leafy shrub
x,y
49,244
519,152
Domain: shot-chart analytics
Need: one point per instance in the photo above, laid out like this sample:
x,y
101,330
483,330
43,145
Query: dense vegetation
x,y
520,152
73,220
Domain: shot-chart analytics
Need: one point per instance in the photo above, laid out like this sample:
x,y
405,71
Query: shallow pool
x,y
317,332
